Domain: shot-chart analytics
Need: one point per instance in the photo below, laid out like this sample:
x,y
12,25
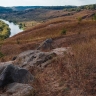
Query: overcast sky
x,y
45,2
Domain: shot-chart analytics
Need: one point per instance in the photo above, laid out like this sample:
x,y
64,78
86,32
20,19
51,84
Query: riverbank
x,y
4,30
14,28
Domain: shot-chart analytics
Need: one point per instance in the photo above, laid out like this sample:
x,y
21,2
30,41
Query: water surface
x,y
14,29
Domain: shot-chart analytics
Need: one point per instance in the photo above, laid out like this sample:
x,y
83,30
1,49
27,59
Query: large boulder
x,y
46,45
11,73
17,89
34,58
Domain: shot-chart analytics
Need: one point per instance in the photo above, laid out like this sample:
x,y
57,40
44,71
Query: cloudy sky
x,y
44,2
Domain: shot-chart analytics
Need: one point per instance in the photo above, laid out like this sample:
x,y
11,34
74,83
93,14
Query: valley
x,y
57,48
14,29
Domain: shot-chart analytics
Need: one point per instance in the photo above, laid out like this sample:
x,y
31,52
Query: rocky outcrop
x,y
17,89
46,45
16,78
34,58
61,51
11,73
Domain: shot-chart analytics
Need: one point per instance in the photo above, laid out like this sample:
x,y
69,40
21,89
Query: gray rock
x,y
18,89
46,45
33,58
11,73
4,64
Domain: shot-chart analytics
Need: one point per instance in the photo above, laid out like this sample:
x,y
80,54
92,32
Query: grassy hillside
x,y
73,74
76,31
35,15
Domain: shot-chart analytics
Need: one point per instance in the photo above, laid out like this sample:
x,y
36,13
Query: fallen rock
x,y
46,45
11,73
17,89
33,58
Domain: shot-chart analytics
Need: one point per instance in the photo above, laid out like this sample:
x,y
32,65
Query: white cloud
x,y
44,2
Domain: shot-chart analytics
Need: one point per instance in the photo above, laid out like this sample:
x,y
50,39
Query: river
x,y
14,29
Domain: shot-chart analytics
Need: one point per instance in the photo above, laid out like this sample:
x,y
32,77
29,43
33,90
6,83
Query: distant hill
x,y
5,9
35,15
27,13
87,7
40,13
92,6
22,8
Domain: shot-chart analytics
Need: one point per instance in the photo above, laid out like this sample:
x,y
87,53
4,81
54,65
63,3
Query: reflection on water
x,y
14,28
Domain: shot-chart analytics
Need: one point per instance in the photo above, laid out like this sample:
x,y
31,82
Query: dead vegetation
x,y
71,75
31,38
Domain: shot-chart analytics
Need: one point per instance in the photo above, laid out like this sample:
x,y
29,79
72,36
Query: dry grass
x,y
31,38
71,75
84,66
30,24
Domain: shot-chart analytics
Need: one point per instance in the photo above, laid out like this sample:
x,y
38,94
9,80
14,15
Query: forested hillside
x,y
4,30
5,10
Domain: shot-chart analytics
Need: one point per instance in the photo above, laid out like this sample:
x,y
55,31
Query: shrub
x,y
1,54
94,17
63,32
79,19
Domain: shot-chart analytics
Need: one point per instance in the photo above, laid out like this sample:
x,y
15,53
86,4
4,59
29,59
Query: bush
x,y
79,19
94,17
1,55
63,32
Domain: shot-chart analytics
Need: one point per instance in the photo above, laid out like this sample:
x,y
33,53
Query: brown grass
x,y
71,75
84,64
31,38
